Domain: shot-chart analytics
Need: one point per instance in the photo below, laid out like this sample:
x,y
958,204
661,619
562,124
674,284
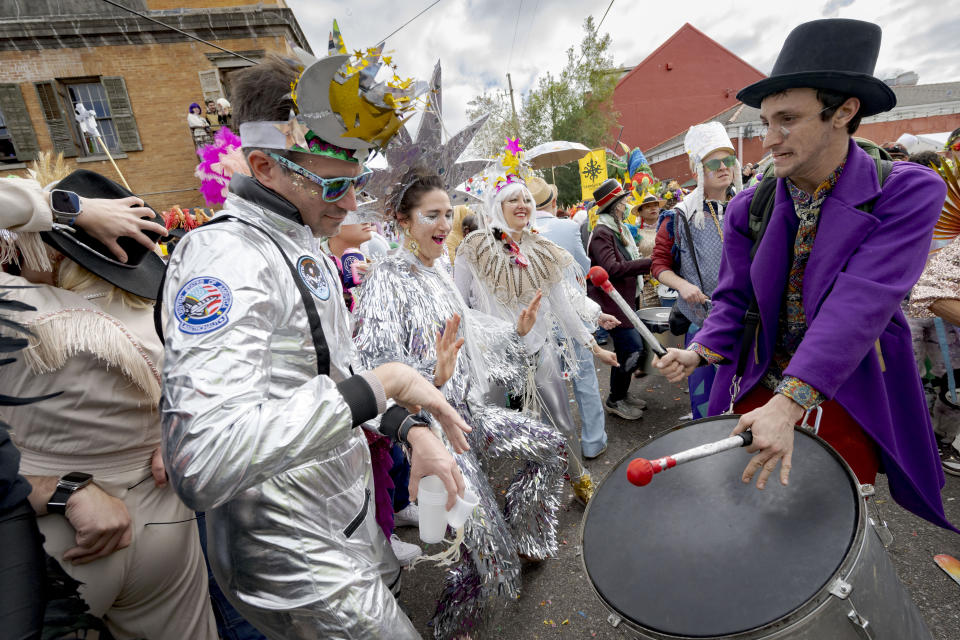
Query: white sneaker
x,y
409,516
404,551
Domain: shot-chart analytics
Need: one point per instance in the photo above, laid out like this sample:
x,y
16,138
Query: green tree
x,y
492,136
576,106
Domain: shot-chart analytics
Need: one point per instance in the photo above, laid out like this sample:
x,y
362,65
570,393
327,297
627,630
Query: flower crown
x,y
505,181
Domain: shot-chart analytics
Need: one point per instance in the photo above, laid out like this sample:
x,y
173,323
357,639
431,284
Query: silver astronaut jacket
x,y
261,442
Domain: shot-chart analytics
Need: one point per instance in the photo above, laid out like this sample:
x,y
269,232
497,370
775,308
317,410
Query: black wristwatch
x,y
412,420
66,487
65,206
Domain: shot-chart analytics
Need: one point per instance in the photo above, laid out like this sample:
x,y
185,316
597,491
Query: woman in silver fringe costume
x,y
503,265
405,302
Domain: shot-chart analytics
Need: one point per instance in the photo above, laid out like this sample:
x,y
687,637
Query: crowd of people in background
x,y
316,354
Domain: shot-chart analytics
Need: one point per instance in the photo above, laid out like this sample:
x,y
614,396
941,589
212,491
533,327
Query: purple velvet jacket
x,y
860,268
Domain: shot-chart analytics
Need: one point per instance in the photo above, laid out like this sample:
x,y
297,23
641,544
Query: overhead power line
x,y
180,31
515,25
395,31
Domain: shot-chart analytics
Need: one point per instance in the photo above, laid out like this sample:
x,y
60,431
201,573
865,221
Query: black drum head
x,y
697,553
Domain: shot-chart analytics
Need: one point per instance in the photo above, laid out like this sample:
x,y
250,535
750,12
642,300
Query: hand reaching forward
x,y
412,391
607,321
608,358
101,521
448,346
528,317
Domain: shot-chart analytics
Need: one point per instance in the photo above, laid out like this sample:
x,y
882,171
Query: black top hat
x,y
835,54
141,273
608,194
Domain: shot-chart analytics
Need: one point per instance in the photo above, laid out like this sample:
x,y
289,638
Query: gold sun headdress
x,y
341,110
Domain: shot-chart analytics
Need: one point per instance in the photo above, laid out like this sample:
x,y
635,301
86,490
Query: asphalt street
x,y
557,600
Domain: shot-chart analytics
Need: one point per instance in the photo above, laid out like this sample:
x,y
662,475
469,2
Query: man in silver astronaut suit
x,y
252,433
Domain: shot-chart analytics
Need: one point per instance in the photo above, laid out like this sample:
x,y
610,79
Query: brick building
x,y
920,109
693,75
138,76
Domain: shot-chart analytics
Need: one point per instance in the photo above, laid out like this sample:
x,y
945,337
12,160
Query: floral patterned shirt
x,y
792,324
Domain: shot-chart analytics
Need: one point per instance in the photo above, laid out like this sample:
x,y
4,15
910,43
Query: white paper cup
x,y
432,500
463,509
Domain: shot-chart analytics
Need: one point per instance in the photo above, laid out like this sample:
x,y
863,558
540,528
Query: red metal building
x,y
688,79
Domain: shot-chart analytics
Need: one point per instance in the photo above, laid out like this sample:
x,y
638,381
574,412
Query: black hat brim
x,y
141,275
142,279
874,94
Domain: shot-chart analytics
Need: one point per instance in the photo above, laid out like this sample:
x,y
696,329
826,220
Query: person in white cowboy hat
x,y
262,391
690,241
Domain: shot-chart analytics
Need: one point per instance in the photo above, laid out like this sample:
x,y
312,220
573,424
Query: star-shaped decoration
x,y
513,145
295,131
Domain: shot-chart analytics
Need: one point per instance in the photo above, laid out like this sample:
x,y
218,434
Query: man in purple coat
x,y
828,277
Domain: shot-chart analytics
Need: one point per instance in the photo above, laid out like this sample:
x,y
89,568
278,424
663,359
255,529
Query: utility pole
x,y
513,107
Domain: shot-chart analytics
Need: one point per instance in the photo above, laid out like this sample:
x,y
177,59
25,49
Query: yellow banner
x,y
593,171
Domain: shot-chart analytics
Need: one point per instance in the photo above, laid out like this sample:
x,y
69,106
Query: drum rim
x,y
850,560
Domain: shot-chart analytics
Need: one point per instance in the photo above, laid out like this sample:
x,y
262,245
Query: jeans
x,y
700,382
230,624
586,389
400,474
629,349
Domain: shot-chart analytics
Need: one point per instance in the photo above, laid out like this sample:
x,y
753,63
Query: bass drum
x,y
699,554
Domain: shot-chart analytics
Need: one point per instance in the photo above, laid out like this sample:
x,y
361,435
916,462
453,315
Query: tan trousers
x,y
156,588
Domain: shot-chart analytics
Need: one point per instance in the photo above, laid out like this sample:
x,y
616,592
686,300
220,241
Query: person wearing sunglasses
x,y
686,255
264,393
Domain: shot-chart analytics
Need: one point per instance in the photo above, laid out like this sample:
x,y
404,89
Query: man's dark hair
x,y
262,92
831,100
926,158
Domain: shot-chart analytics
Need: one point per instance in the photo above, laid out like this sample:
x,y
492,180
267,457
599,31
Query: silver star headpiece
x,y
426,154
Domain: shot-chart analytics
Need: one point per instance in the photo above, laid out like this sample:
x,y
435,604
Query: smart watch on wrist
x,y
66,487
65,206
412,420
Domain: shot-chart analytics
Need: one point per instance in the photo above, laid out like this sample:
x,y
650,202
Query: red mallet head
x,y
598,275
640,472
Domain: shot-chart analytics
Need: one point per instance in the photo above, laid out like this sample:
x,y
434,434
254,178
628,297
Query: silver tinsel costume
x,y
401,306
488,273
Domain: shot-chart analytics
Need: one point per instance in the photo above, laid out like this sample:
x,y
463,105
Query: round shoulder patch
x,y
313,275
202,305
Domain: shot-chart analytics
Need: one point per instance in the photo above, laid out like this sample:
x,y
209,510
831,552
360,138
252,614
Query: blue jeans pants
x,y
230,624
700,382
586,389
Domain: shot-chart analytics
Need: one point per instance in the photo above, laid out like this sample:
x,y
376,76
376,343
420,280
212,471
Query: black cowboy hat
x,y
835,54
141,274
608,194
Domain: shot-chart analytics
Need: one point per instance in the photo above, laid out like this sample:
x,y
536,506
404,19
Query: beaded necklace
x,y
716,220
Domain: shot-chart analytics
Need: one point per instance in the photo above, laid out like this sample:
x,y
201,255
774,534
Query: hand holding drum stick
x,y
599,277
640,471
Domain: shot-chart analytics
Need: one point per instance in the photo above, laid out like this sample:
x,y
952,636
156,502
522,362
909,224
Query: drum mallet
x,y
599,277
640,470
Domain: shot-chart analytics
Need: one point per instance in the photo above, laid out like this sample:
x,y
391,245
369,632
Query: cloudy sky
x,y
479,41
